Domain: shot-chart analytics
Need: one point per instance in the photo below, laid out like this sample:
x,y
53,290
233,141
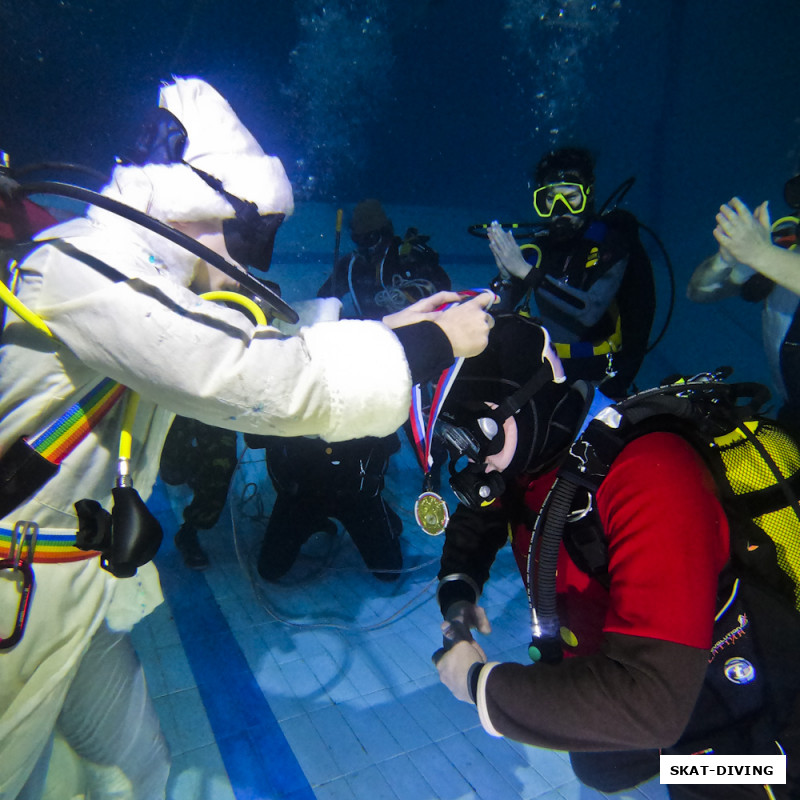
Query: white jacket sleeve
x,y
338,380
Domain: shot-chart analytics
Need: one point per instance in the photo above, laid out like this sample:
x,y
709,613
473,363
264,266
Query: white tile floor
x,y
324,688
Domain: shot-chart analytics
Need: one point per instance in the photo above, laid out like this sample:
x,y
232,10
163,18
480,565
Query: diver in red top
x,y
634,649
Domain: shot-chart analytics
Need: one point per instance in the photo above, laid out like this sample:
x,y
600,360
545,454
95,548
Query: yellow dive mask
x,y
574,197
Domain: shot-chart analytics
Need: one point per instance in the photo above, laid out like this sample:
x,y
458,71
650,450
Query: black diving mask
x,y
162,139
481,437
250,237
473,430
468,446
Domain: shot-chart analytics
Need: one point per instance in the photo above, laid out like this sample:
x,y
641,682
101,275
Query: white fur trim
x,y
483,712
221,145
218,144
211,124
310,312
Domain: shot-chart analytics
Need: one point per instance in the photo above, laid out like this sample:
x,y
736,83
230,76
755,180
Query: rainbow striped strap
x,y
51,548
63,435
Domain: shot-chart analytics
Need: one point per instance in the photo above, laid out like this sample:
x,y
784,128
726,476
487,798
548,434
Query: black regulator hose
x,y
61,166
280,308
545,628
521,230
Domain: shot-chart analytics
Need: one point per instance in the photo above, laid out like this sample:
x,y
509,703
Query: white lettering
x,y
723,769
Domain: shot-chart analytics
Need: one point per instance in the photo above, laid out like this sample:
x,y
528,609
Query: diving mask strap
x,y
244,209
514,402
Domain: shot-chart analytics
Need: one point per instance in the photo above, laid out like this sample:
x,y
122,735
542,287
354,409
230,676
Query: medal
x,y
430,510
431,513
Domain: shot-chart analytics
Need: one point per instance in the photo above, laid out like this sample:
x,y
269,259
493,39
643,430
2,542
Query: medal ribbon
x,y
430,510
423,435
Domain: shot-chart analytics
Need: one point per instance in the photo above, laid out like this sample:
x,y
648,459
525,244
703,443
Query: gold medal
x,y
431,513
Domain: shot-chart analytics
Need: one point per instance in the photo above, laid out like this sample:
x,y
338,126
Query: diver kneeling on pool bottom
x,y
636,647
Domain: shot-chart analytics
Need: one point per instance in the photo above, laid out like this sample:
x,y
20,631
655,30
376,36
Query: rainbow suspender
x,y
63,435
55,442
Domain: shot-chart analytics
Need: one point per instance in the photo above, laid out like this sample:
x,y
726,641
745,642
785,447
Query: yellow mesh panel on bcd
x,y
747,471
782,527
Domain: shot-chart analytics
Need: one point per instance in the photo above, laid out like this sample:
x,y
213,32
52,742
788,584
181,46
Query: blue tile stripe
x,y
257,757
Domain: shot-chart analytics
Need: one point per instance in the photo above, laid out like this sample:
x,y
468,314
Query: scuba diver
x,y
204,458
106,310
622,579
758,261
316,481
384,273
587,274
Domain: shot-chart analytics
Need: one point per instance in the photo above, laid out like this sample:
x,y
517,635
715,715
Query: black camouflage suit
x,y
204,458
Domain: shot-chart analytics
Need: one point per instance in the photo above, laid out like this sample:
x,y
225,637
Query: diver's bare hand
x,y
506,252
466,324
742,236
421,310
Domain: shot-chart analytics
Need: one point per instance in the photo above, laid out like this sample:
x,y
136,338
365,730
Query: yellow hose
x,y
22,311
125,437
132,403
235,297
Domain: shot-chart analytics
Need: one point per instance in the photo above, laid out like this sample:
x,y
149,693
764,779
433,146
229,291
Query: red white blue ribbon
x,y
422,432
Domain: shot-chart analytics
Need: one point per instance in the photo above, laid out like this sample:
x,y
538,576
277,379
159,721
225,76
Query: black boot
x,y
189,547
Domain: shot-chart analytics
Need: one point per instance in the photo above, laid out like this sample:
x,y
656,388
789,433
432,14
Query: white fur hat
x,y
217,143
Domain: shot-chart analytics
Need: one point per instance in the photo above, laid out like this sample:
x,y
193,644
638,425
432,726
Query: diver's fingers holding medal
x,y
422,310
466,326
